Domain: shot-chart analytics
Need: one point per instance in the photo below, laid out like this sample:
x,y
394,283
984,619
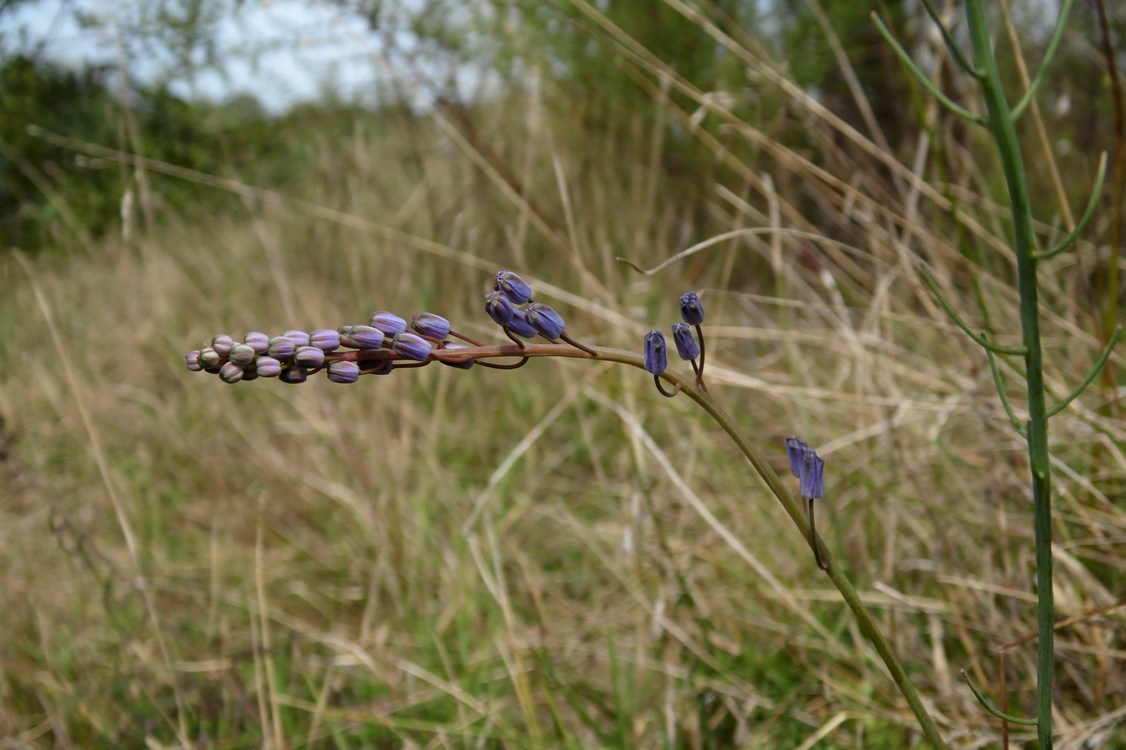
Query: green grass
x,y
299,575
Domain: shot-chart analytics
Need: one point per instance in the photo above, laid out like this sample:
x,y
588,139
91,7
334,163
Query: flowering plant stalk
x,y
1000,122
385,344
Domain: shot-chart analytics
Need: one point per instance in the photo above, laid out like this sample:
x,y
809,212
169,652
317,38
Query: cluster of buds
x,y
688,347
511,307
385,343
809,468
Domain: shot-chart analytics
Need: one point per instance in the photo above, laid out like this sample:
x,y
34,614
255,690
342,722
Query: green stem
x,y
1001,124
793,509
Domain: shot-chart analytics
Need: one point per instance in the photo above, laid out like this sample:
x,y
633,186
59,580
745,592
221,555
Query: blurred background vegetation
x,y
187,564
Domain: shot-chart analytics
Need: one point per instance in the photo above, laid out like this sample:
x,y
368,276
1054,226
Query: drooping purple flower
x,y
256,340
191,359
281,348
343,372
429,324
309,356
520,325
795,450
325,339
294,374
545,320
390,323
656,356
231,373
411,346
210,359
808,467
686,345
691,311
366,337
268,367
300,338
513,287
222,344
242,354
812,483
499,307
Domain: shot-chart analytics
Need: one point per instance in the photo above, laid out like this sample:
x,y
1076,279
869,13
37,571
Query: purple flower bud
x,y
808,467
390,323
191,359
514,287
210,359
249,373
520,325
325,339
686,345
367,337
343,372
499,308
257,340
345,334
222,344
281,348
231,373
691,311
812,484
545,320
242,354
294,374
460,365
429,324
795,450
300,338
656,356
411,346
268,367
309,356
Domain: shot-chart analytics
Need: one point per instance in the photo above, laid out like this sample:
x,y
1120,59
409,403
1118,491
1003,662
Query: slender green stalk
x,y
1001,125
792,507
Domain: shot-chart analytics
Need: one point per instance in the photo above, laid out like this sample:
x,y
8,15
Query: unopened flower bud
x,y
249,373
210,359
366,337
795,451
343,372
309,356
191,359
222,344
390,323
499,307
300,338
656,357
686,345
520,325
691,311
231,373
242,354
811,481
411,346
429,324
325,339
257,340
545,320
268,367
513,287
294,374
281,348
345,334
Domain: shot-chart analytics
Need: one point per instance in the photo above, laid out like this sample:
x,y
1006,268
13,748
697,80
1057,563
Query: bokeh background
x,y
487,559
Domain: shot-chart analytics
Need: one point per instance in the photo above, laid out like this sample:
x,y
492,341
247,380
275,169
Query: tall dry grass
x,y
488,559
